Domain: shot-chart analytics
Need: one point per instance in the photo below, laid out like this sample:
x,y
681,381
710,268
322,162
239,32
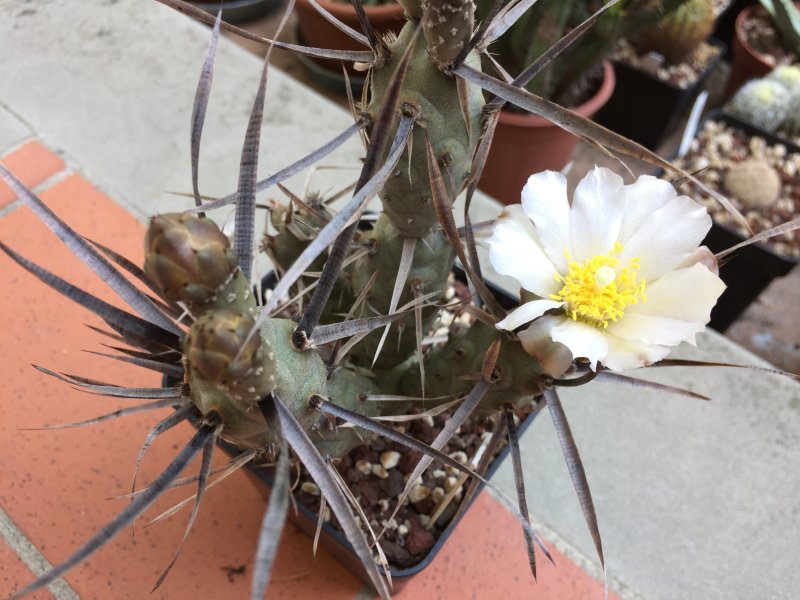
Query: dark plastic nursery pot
x,y
750,269
333,540
337,545
240,11
644,108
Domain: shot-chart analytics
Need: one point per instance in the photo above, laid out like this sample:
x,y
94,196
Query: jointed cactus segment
x,y
433,95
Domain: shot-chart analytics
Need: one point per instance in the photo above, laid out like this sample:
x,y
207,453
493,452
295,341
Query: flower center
x,y
597,291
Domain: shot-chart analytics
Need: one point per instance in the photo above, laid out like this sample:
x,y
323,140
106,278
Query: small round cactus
x,y
791,124
754,182
762,102
788,76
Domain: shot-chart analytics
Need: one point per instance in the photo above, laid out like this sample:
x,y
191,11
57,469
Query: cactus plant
x,y
680,32
762,102
754,182
786,17
567,77
266,382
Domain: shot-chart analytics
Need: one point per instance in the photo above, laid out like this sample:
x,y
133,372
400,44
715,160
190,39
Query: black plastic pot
x,y
749,270
333,540
644,108
240,11
337,545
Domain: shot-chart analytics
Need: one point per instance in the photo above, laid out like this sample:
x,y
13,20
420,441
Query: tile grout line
x,y
39,189
586,564
30,555
19,145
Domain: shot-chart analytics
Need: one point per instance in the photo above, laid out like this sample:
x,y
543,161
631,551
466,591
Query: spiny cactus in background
x,y
786,18
567,77
762,102
347,319
788,76
754,182
678,34
791,124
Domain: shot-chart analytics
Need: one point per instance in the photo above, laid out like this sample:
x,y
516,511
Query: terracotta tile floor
x,y
55,485
32,164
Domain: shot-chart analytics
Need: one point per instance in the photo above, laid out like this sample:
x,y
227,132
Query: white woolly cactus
x,y
791,124
788,76
762,102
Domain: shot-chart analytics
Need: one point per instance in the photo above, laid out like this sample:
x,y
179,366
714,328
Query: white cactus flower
x,y
618,277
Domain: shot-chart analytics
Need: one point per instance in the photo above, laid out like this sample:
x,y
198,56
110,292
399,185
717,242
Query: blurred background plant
x,y
569,78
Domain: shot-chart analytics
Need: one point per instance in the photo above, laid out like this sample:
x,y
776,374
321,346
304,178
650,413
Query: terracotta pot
x,y
747,63
524,144
317,32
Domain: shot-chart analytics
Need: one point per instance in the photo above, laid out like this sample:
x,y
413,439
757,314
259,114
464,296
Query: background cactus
x,y
567,77
762,102
678,34
754,182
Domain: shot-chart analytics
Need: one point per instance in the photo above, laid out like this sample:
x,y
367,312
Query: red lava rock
x,y
425,506
408,461
418,540
397,555
393,484
366,453
370,490
354,475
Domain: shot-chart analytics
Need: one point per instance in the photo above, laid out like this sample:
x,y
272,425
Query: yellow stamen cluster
x,y
597,292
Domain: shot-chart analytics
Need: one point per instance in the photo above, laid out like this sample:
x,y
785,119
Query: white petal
x,y
527,312
596,213
555,358
667,237
513,252
643,198
544,199
649,329
627,354
686,294
584,341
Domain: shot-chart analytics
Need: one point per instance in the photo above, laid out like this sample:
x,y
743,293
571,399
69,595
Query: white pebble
x,y
389,459
418,493
364,466
309,487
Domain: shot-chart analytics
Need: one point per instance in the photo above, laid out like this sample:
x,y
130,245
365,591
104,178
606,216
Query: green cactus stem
x,y
434,96
452,370
447,27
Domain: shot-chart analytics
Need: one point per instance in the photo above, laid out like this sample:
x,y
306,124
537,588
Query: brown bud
x,y
188,257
